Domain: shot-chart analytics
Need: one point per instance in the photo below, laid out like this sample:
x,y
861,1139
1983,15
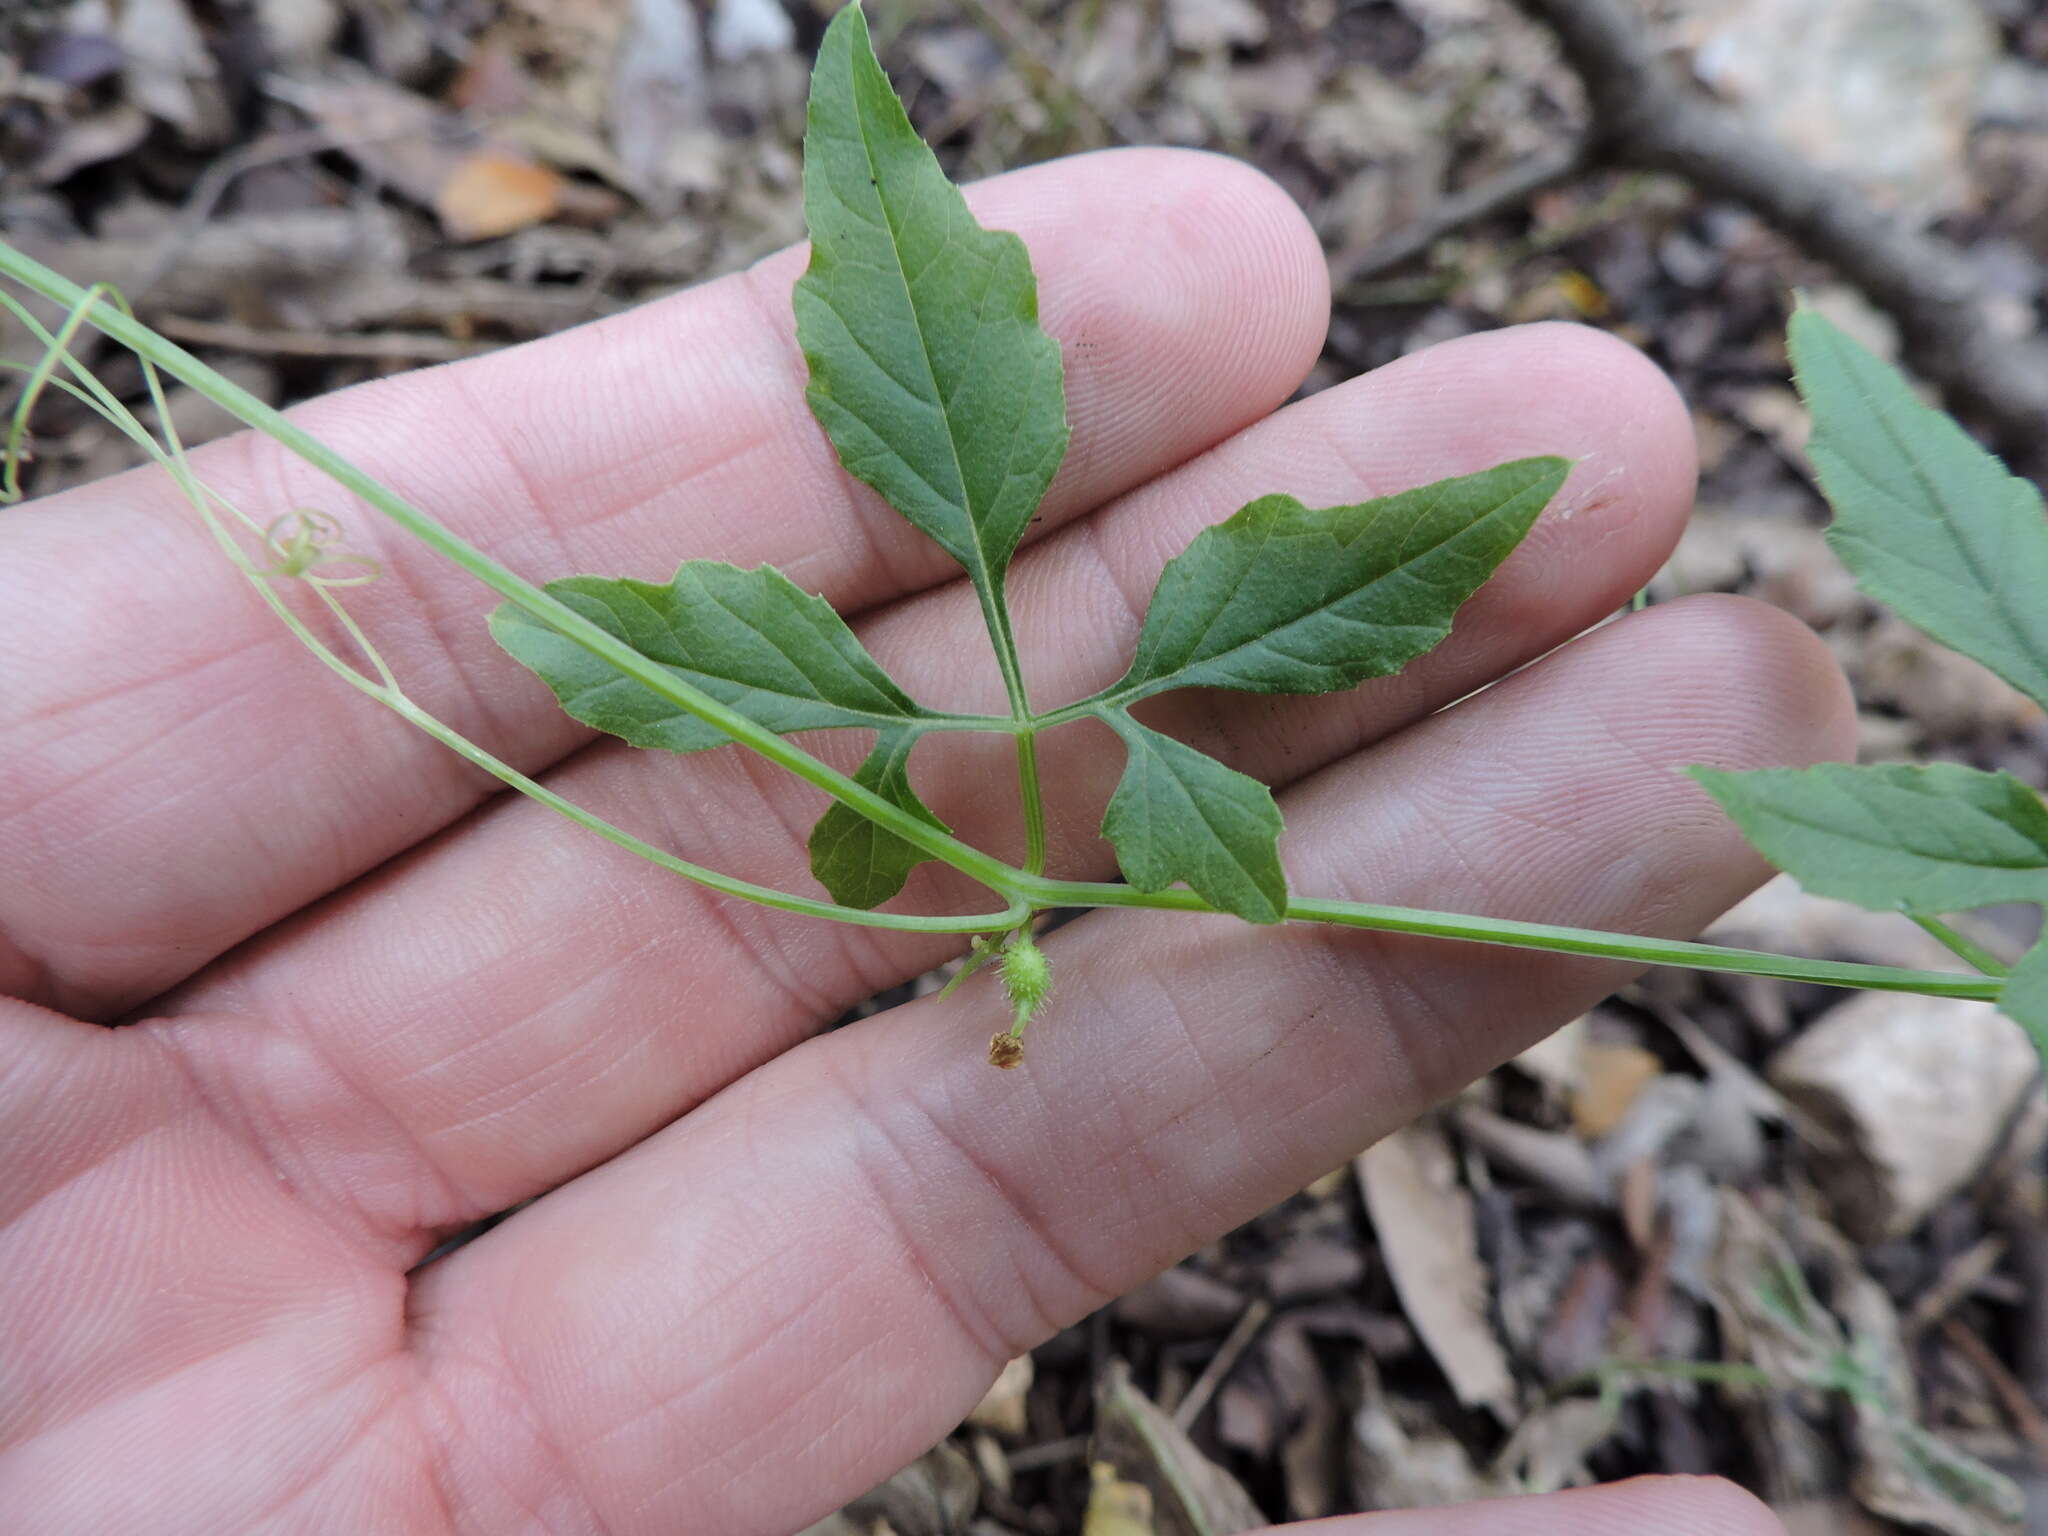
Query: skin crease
x,y
366,1002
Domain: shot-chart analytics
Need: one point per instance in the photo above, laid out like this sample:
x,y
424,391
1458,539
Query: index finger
x,y
180,777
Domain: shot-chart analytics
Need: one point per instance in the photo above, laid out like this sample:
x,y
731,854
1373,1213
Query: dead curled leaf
x,y
1115,1507
479,188
1773,1317
1190,1494
1429,1237
488,194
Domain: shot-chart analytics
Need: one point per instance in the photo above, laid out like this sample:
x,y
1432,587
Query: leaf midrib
x,y
1118,695
982,572
918,719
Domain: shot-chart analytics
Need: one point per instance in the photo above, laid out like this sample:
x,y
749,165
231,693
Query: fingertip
x,y
1536,390
1205,298
1607,407
1752,686
1669,1506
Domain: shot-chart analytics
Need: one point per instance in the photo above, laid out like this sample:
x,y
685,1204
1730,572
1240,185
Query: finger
x,y
1669,1506
820,1270
184,776
535,1008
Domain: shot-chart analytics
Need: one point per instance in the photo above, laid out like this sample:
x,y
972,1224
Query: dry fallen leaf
x,y
170,72
1002,1407
1400,1458
1429,1238
478,188
1191,1495
1201,26
1612,1073
487,195
1115,1507
1772,1317
936,1495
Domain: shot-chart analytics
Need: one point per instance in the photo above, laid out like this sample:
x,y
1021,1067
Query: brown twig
x,y
212,186
1223,1362
1642,116
403,346
1497,194
2026,1419
1958,1278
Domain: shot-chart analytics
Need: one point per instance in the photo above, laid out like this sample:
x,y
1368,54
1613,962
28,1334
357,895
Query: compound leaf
x,y
753,640
1930,838
1283,598
928,369
1178,814
861,863
1929,522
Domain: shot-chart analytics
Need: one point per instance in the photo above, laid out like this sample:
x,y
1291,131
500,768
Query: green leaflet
x,y
859,862
1178,814
1930,838
928,369
1282,598
1928,521
753,640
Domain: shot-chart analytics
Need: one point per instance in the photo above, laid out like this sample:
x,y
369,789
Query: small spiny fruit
x,y
1027,977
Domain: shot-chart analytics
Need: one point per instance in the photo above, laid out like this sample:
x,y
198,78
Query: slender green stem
x,y
1112,697
385,690
1540,936
746,890
996,613
1034,802
182,365
1964,948
44,370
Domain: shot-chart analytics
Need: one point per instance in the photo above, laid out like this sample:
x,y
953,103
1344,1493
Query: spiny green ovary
x,y
1284,598
1027,977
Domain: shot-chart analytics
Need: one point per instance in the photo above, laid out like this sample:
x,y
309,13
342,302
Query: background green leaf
x,y
1929,522
2024,997
859,862
1178,814
753,640
1282,598
928,369
1932,838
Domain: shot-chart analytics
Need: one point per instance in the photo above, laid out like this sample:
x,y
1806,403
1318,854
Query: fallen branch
x,y
1642,116
1474,204
380,346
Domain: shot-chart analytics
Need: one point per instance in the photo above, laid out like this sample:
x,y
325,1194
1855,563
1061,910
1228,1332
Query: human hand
x,y
372,1004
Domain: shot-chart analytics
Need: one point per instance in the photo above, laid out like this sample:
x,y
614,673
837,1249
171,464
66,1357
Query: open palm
x,y
367,1003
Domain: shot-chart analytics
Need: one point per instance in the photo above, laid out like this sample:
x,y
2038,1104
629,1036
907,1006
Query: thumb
x,y
1670,1506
